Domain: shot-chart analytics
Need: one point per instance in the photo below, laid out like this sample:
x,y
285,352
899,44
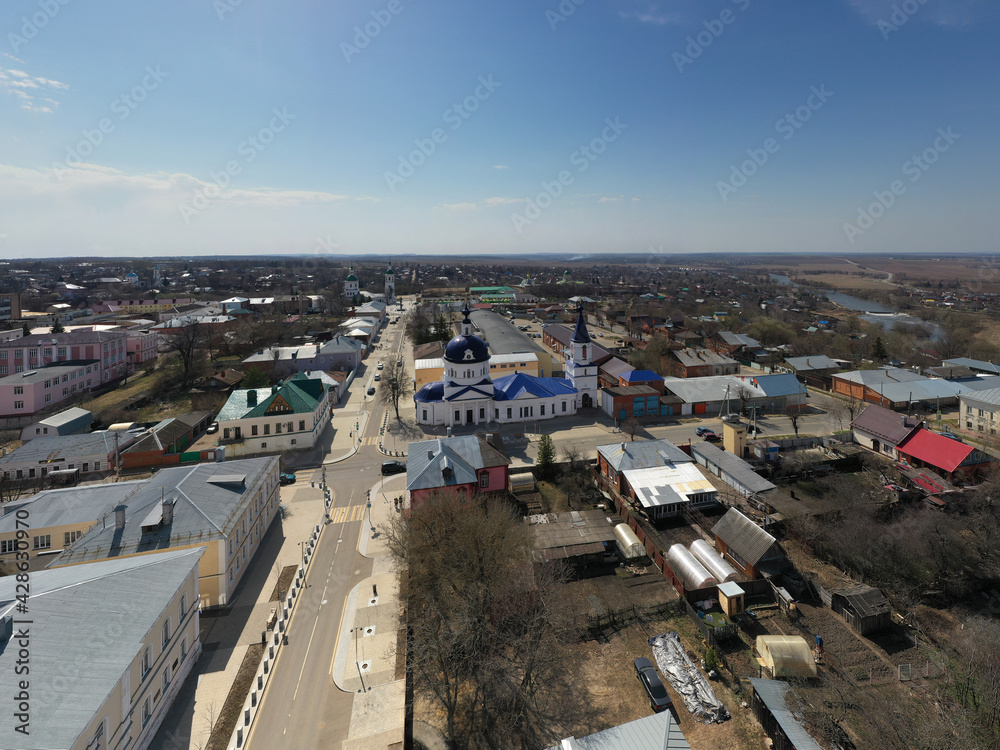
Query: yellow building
x,y
430,370
109,645
224,508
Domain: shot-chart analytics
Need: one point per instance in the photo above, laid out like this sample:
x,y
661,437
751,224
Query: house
x,y
864,608
979,411
226,508
977,365
953,459
658,731
616,458
881,430
111,644
697,363
467,465
642,377
688,338
165,443
731,344
71,421
623,402
288,416
753,551
609,374
667,491
141,347
815,364
92,453
895,387
339,353
769,701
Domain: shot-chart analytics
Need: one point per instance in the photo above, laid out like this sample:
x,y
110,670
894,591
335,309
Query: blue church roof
x,y
430,392
580,335
510,387
458,350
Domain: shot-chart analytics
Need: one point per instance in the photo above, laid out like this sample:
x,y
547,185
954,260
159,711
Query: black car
x,y
393,467
646,672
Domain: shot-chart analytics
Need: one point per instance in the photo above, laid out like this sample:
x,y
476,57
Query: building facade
x,y
38,350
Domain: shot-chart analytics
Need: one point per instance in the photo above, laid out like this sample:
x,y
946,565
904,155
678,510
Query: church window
x,y
584,352
542,409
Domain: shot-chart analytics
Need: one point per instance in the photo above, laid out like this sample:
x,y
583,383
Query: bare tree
x,y
394,385
631,427
794,414
576,479
484,622
187,344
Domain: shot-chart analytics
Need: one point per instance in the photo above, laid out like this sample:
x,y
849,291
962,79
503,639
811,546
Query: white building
x,y
351,286
467,395
286,417
390,285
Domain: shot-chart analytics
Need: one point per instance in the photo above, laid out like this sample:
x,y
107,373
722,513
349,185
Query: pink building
x,y
468,465
32,391
38,350
141,347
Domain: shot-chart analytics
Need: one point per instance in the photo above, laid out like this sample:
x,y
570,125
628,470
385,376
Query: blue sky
x,y
415,126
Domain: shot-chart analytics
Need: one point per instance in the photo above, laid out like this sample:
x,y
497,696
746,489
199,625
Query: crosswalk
x,y
369,441
346,514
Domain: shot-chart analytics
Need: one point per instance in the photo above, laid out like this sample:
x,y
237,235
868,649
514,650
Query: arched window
x,y
584,352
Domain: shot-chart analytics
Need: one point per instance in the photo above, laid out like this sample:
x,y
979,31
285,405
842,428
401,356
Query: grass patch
x,y
554,500
232,709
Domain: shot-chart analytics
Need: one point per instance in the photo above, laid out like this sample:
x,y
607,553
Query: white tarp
x,y
685,678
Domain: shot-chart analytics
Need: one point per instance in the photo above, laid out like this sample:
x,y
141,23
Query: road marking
x,y
306,659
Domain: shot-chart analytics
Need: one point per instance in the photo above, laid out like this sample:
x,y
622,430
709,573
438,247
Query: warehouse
x,y
731,469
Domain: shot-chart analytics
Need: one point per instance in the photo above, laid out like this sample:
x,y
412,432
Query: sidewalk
x,y
366,662
226,637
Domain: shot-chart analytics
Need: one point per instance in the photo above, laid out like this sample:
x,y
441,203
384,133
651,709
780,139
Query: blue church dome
x,y
466,349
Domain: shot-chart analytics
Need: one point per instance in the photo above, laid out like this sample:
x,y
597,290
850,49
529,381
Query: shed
x,y
579,535
747,546
769,704
785,655
732,598
628,543
70,421
865,609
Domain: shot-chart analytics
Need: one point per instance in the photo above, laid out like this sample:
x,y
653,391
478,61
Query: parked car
x,y
286,478
381,365
393,467
702,430
659,700
371,391
377,377
711,437
212,428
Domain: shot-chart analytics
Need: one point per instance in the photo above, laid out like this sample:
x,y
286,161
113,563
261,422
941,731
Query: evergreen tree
x,y
878,350
546,457
57,327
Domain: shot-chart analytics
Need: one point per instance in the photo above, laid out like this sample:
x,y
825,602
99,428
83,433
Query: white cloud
x,y
636,199
18,82
459,206
609,199
500,201
650,12
500,166
488,203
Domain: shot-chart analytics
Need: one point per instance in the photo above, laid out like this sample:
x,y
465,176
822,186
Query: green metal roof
x,y
301,393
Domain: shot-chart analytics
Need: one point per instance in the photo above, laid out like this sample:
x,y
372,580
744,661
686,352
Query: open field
x,y
841,281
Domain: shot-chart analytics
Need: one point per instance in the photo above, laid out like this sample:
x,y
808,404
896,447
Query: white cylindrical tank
x,y
713,562
691,572
628,543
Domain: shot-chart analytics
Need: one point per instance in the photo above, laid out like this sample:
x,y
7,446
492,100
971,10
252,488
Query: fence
x,y
625,616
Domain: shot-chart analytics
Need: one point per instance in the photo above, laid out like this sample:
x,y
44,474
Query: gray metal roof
x,y
642,454
700,357
576,529
744,537
69,447
734,466
205,497
984,383
42,374
873,378
975,364
615,367
885,424
989,398
775,386
462,456
70,506
773,693
654,732
812,362
73,612
710,389
501,335
65,416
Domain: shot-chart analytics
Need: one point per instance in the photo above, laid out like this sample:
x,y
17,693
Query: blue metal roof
x,y
784,384
640,376
580,335
430,392
510,387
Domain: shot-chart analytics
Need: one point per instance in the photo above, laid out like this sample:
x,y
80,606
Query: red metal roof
x,y
936,450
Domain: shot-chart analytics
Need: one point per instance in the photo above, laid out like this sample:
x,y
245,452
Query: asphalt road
x,y
302,709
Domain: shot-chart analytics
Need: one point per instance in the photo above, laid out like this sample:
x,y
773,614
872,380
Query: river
x,y
875,312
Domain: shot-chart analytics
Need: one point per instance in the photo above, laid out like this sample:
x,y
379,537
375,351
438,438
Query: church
x,y
466,394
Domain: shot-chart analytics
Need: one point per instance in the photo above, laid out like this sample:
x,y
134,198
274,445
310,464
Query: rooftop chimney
x,y
167,508
120,517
